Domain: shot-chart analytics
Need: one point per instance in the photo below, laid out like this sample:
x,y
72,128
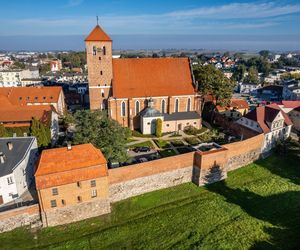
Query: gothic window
x,y
123,109
163,106
94,50
137,107
188,107
176,105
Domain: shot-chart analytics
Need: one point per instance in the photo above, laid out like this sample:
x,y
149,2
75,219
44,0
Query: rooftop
x,y
97,34
144,77
13,157
182,116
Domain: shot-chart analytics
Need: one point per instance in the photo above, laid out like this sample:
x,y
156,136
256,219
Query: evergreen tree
x,y
104,133
41,132
3,131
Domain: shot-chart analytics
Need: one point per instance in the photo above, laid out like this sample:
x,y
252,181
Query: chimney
x,y
69,146
10,146
2,158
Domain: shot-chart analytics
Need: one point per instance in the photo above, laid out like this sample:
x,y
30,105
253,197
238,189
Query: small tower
x,y
99,60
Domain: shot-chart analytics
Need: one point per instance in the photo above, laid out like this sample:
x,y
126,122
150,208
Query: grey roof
x,y
21,145
150,112
182,116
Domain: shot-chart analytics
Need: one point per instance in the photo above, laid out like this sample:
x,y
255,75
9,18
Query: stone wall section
x,y
75,213
19,217
123,190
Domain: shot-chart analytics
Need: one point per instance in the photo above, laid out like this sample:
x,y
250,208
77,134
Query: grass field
x,y
257,207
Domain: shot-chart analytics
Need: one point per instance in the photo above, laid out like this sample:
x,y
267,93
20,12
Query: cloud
x,y
73,3
238,11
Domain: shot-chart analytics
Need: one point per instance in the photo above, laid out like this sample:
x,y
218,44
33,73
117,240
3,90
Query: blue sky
x,y
77,17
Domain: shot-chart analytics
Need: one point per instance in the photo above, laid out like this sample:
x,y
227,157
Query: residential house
x,y
72,184
247,88
292,109
269,120
17,160
236,109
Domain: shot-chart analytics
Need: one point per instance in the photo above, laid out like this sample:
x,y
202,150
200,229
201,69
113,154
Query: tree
x,y
226,54
19,65
3,131
212,81
158,128
44,68
239,72
264,53
103,132
252,76
41,132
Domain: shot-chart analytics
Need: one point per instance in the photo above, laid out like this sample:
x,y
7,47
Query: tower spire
x,y
97,20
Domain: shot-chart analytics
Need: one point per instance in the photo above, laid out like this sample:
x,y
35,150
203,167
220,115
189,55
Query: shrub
x,y
158,131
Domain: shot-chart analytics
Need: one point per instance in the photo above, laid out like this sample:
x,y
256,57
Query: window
x,y
94,193
93,183
163,106
53,203
102,94
123,109
63,202
78,184
101,72
176,105
168,125
148,123
99,58
79,199
188,108
10,180
137,107
104,50
94,50
54,191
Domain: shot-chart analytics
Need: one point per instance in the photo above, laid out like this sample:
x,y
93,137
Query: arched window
x,y
176,105
123,109
104,50
188,107
163,106
137,107
94,50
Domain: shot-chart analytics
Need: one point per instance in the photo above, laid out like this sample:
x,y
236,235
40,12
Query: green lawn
x,y
192,140
177,143
141,144
257,207
162,143
167,153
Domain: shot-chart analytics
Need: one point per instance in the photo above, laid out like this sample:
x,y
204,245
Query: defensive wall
x,y
198,167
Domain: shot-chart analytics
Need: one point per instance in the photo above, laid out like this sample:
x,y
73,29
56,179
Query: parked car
x,y
141,149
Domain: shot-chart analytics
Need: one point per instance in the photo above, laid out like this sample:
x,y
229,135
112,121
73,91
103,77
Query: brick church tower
x,y
99,61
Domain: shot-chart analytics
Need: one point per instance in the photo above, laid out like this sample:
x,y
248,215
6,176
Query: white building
x,y
17,160
248,88
291,90
18,77
269,120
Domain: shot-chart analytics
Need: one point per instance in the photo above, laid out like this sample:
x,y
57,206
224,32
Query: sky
x,y
68,19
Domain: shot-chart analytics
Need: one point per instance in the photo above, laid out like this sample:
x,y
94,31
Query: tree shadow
x,y
285,165
281,210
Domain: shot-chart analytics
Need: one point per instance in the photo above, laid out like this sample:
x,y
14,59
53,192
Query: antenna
x,y
97,20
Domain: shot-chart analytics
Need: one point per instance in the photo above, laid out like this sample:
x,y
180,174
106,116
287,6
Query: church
x,y
138,91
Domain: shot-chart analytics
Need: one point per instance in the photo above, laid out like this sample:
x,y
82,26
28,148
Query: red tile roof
x,y
61,166
291,104
25,95
234,104
97,34
145,77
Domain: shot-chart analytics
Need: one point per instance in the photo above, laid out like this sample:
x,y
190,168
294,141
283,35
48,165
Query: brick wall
x,y
149,176
23,216
244,152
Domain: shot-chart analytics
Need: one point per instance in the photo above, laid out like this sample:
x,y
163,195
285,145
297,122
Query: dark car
x,y
141,149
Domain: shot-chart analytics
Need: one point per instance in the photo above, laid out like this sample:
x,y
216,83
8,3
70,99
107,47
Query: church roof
x,y
150,112
97,34
142,77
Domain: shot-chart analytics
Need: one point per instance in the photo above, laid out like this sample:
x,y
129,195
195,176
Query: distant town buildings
x,y
55,65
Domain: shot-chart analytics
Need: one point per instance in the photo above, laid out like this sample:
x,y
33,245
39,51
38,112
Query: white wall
x,y
7,189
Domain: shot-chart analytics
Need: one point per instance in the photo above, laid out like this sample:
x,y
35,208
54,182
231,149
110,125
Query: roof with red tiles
x,y
234,104
144,77
97,34
291,104
60,166
24,95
